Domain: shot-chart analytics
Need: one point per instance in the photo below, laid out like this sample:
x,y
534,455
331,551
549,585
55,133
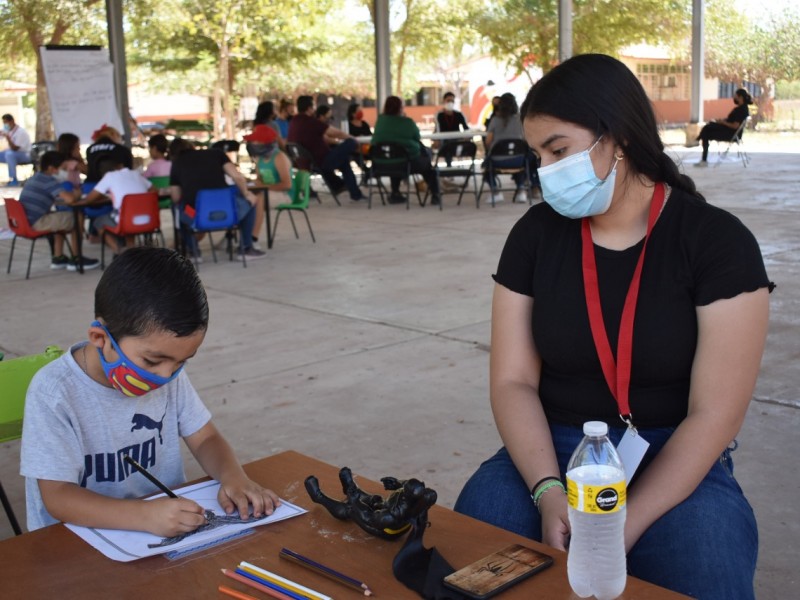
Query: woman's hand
x,y
555,519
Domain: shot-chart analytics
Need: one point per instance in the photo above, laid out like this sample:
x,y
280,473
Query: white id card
x,y
631,450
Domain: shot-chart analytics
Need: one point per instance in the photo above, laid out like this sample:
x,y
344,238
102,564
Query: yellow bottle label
x,y
596,499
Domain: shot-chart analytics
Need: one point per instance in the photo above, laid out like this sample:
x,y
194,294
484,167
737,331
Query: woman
x,y
723,129
697,341
265,115
107,150
70,146
505,125
356,125
394,126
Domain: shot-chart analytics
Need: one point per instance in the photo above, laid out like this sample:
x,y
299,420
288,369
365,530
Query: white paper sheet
x,y
126,546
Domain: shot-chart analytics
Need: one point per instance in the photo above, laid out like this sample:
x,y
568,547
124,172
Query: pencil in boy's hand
x,y
149,476
306,562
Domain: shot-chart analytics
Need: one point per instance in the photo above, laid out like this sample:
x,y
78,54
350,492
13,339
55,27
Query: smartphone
x,y
498,571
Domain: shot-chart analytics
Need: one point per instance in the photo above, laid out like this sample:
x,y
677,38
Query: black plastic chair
x,y
736,139
505,151
462,154
37,151
389,159
303,160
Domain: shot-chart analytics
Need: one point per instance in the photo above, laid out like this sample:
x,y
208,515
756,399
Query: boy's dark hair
x,y
51,159
7,117
145,290
323,110
304,103
159,142
449,95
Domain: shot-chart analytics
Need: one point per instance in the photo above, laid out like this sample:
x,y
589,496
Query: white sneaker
x,y
497,197
522,196
702,163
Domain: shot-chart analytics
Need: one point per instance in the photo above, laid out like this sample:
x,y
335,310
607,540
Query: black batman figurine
x,y
388,518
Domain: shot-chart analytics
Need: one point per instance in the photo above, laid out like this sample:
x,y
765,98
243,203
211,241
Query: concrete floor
x,y
370,348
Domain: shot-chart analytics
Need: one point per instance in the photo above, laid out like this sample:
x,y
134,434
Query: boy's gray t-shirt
x,y
77,430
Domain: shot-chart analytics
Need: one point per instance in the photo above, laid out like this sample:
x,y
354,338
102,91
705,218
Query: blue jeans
x,y
706,547
13,158
339,158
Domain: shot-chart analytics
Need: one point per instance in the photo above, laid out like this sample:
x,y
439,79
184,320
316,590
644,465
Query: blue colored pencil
x,y
322,569
271,585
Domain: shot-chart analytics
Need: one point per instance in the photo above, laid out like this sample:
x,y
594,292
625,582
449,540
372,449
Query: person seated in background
x,y
356,125
194,170
311,133
38,197
159,165
286,111
115,185
394,126
74,166
449,119
722,130
265,115
506,125
107,150
495,103
273,167
19,148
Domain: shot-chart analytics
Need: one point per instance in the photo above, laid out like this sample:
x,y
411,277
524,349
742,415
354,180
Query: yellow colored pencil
x,y
298,589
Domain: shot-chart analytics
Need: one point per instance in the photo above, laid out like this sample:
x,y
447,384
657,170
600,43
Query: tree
x,y
43,22
524,33
739,50
423,31
235,36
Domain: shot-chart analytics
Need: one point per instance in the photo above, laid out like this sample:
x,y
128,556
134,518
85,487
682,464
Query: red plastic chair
x,y
139,215
18,223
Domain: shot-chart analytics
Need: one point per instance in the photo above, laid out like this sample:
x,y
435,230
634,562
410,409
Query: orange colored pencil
x,y
255,585
235,594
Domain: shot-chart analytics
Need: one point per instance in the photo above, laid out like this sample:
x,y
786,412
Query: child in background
x,y
70,146
125,393
38,197
116,184
159,166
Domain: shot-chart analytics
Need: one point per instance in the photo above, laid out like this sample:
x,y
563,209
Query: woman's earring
x,y
619,156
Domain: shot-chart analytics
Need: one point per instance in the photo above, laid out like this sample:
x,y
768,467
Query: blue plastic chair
x,y
92,212
215,210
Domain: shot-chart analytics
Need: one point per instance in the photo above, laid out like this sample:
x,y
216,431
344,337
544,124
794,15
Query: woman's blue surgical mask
x,y
571,187
124,376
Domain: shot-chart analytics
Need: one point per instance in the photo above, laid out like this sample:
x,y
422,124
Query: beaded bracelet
x,y
537,497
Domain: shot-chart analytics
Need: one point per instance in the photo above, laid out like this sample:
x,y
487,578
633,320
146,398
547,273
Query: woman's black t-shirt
x,y
696,254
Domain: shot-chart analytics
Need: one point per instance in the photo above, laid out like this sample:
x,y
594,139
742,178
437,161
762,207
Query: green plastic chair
x,y
299,196
15,376
160,183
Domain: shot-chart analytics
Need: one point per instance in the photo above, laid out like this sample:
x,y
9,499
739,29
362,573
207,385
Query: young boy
x,y
124,392
39,195
116,184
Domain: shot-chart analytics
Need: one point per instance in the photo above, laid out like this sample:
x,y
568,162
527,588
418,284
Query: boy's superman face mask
x,y
125,376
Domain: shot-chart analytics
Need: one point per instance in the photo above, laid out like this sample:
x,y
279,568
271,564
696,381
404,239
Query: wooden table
x,y
54,563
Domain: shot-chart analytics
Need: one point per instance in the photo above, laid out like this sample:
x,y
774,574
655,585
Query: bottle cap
x,y
595,428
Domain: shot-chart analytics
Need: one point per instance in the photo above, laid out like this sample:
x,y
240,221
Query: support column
x,y
698,73
116,46
383,73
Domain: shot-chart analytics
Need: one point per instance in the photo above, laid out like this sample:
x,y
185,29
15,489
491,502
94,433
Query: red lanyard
x,y
617,372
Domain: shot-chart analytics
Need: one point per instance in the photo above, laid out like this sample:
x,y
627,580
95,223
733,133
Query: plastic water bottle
x,y
596,495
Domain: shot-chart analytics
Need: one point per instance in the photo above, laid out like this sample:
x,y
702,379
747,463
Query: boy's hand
x,y
242,493
167,517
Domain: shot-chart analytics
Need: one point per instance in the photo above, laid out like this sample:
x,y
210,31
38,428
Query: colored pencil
x,y
149,476
327,571
235,593
256,586
287,583
271,584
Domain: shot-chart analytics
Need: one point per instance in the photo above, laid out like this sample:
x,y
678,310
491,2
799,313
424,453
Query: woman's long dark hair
x,y
506,108
601,94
